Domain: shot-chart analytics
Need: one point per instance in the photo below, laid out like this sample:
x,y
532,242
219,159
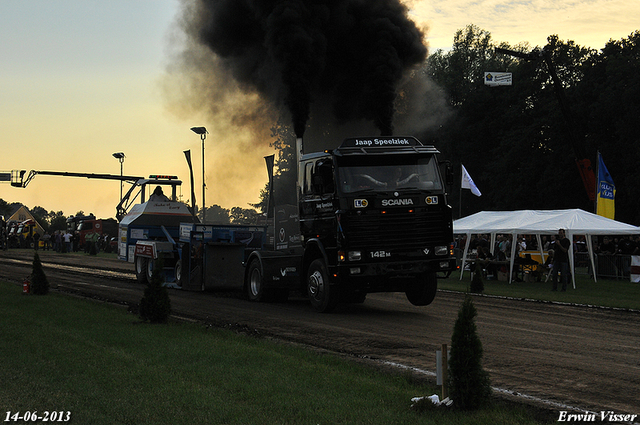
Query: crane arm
x,y
20,178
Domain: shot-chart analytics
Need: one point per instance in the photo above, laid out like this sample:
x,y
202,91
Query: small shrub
x,y
477,285
155,305
39,282
469,383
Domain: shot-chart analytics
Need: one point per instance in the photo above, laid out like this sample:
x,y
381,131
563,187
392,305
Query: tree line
x,y
57,220
514,140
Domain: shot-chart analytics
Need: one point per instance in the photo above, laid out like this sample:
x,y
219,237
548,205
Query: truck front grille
x,y
397,229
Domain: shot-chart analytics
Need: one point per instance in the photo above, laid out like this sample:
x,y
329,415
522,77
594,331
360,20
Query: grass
x,y
605,292
103,365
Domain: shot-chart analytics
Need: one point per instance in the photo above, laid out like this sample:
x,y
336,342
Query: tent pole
x,y
571,260
514,241
464,255
593,263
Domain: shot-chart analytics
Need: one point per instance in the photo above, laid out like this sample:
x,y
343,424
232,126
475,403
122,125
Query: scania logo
x,y
391,202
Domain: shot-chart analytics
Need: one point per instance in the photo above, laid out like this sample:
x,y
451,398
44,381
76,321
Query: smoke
x,y
329,69
347,55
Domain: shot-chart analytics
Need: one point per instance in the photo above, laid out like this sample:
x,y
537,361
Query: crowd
x,y
607,245
619,249
64,241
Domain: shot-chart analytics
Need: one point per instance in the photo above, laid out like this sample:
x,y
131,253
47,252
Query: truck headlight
x,y
442,250
355,255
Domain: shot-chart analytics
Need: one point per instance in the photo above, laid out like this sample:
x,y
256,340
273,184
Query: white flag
x,y
467,182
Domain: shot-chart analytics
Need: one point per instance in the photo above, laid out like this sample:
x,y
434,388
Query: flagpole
x,y
460,189
597,185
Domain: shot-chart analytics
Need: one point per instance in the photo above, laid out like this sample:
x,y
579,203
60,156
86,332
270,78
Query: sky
x,y
80,81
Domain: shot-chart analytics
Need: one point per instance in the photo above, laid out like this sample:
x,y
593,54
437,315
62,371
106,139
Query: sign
x,y
497,78
367,142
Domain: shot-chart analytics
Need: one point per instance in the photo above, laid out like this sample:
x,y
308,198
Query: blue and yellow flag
x,y
605,197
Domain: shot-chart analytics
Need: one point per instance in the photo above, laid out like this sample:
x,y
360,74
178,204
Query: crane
x,y
20,178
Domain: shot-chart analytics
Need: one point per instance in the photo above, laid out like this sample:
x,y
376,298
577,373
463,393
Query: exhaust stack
x,y
299,148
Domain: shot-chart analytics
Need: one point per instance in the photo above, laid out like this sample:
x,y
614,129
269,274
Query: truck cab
x,y
373,218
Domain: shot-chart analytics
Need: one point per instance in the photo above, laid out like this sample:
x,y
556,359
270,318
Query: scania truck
x,y
372,216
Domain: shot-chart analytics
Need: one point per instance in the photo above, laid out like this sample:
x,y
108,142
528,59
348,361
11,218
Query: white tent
x,y
535,222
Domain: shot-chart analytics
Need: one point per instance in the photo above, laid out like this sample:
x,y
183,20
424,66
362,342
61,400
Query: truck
x,y
101,227
371,216
23,234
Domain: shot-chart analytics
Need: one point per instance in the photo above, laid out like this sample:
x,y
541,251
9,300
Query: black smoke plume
x,y
349,53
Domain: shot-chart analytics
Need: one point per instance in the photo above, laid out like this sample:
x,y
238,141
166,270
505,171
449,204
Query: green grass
x,y
605,292
103,365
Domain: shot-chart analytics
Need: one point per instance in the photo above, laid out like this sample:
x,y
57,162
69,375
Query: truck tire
x,y
178,272
323,296
150,264
255,282
141,269
423,290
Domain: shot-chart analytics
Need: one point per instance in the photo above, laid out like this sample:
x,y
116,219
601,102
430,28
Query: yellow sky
x,y
79,82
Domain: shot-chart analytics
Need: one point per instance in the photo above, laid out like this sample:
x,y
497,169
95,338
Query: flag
x,y
467,182
606,192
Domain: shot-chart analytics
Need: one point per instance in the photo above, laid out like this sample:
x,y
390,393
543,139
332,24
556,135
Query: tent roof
x,y
575,221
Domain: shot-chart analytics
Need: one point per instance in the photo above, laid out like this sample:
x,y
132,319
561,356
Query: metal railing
x,y
613,266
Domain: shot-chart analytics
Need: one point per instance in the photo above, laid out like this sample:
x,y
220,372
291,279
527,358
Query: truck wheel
x,y
255,283
178,272
141,269
323,296
150,264
422,291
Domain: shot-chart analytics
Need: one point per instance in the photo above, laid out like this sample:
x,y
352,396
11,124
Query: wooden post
x,y
445,372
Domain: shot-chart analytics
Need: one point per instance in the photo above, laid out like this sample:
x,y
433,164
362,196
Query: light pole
x,y
120,157
203,135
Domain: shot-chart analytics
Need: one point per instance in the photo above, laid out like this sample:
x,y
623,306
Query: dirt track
x,y
587,358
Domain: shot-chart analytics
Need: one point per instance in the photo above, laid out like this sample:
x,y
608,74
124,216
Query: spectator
x,y
561,260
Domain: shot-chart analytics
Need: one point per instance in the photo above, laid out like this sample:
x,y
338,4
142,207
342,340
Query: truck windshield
x,y
388,173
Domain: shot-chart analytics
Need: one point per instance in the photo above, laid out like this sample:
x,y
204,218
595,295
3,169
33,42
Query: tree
x,y
243,216
477,285
216,214
155,305
468,381
513,140
609,102
39,282
57,221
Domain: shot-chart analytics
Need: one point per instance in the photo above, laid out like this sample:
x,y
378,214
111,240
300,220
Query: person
x,y
46,240
158,195
561,260
607,247
36,240
68,237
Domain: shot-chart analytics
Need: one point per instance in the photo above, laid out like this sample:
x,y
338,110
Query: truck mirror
x,y
448,172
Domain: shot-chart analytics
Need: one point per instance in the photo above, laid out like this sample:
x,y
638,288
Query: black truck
x,y
372,216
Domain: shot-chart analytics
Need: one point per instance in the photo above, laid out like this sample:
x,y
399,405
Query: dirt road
x,y
581,357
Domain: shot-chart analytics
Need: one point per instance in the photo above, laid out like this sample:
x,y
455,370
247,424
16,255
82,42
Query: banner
x,y
497,79
467,182
634,272
606,192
